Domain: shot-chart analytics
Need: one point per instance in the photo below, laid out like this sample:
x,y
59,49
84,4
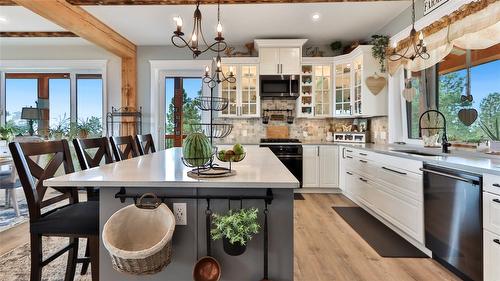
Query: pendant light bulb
x,y
178,21
219,28
218,63
194,37
421,36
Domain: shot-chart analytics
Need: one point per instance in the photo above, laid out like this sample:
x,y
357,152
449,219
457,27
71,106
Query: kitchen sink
x,y
416,152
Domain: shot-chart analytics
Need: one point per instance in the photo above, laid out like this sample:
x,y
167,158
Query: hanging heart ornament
x,y
409,92
376,83
467,116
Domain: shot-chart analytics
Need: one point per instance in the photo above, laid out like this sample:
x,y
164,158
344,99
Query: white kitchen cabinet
x,y
328,166
275,61
391,187
243,95
351,95
491,242
320,166
316,86
491,212
310,166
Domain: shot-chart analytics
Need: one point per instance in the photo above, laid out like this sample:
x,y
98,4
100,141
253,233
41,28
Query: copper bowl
x,y
206,269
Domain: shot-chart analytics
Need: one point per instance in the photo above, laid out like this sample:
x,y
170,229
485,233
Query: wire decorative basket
x,y
214,130
211,103
231,157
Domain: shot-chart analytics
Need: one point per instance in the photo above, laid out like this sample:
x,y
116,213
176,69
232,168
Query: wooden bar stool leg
x,y
85,265
72,256
36,257
94,256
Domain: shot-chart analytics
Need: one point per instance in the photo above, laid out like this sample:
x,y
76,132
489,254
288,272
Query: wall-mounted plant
x,y
380,43
336,47
235,229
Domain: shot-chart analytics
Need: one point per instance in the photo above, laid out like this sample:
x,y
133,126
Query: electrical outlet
x,y
180,213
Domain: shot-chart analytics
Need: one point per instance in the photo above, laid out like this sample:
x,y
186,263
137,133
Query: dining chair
x,y
145,144
129,147
53,216
92,153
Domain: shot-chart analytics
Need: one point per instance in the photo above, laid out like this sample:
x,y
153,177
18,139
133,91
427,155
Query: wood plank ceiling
x,y
190,2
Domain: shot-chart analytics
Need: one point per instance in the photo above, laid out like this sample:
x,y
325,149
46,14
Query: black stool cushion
x,y
75,219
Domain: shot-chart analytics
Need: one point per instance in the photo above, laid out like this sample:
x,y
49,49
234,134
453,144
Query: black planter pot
x,y
235,249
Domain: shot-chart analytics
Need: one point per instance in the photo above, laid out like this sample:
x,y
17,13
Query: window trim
x,y
71,67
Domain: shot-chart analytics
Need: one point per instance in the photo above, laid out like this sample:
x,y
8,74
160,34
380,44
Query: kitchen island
x,y
163,173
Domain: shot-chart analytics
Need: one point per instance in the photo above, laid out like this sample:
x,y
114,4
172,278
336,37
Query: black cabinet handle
x,y
394,171
350,157
363,180
496,200
349,173
363,161
363,154
349,150
496,185
496,241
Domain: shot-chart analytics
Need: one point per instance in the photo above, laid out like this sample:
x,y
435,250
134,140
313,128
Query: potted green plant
x,y
493,135
379,49
336,48
61,128
6,133
235,229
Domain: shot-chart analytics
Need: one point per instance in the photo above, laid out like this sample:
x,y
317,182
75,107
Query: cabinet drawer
x,y
406,182
491,212
491,242
491,184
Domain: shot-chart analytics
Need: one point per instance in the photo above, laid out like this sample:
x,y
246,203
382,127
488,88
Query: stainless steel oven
x,y
289,152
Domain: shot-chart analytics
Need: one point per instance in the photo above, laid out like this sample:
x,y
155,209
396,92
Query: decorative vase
x,y
495,146
235,249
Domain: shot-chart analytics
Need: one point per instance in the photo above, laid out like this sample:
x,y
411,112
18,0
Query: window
x,y
441,88
57,103
19,93
181,107
484,70
89,103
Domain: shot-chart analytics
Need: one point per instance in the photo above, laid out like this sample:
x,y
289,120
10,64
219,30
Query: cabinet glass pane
x,y
253,109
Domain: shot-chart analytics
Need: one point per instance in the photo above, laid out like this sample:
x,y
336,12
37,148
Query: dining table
x,y
260,180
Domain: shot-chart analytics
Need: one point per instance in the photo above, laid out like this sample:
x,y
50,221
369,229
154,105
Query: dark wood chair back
x,y
32,175
83,149
129,147
145,144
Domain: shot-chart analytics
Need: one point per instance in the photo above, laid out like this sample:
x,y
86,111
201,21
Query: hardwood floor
x,y
327,248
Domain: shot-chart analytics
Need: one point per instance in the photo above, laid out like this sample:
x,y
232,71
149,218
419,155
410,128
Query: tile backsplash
x,y
305,129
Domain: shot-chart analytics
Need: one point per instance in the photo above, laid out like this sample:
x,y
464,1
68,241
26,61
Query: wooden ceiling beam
x,y
75,19
33,34
190,2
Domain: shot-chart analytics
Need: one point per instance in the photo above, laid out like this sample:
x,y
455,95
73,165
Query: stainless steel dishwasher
x,y
453,220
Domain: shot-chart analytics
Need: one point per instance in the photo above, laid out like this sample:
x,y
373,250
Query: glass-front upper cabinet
x,y
358,72
343,89
322,90
243,95
229,91
249,95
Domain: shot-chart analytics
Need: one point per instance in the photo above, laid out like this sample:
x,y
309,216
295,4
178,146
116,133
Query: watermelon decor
x,y
196,149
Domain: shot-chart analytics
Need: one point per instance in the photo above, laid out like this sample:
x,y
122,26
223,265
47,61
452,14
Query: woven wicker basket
x,y
139,240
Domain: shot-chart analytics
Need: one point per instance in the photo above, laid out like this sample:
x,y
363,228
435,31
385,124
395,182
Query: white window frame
x,y
73,67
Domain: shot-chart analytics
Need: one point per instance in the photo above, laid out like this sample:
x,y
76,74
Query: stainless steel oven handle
x,y
449,176
289,156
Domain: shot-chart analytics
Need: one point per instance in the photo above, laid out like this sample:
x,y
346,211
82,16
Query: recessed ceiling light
x,y
315,17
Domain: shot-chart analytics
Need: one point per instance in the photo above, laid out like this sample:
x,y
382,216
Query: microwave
x,y
279,86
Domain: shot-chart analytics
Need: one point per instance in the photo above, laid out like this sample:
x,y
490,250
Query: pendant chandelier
x,y
196,42
218,76
417,43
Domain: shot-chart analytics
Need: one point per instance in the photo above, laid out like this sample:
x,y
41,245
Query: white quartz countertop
x,y
260,169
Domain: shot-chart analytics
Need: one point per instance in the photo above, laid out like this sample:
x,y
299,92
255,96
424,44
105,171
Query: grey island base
x,y
163,174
